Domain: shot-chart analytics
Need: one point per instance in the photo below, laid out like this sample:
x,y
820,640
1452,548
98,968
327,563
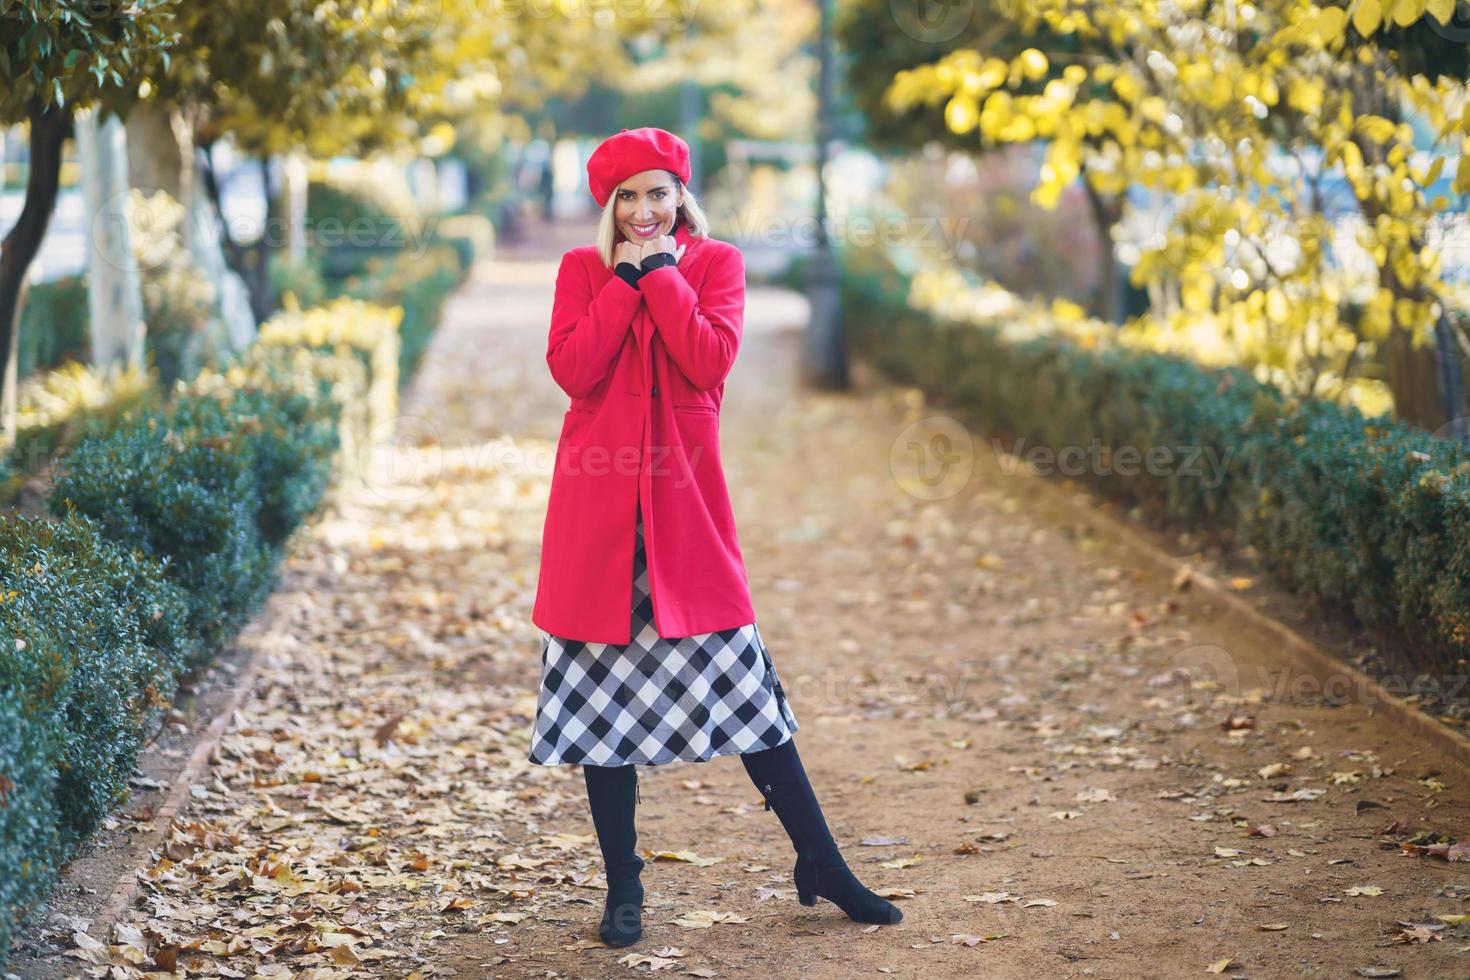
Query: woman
x,y
644,329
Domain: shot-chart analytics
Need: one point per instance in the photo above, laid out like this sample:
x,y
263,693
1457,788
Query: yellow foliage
x,y
349,325
1186,101
1367,14
961,114
1032,64
72,389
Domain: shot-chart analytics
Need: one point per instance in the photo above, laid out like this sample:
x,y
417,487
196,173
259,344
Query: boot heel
x,y
806,884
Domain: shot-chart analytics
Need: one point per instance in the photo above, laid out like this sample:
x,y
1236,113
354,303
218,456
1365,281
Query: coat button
x,y
655,389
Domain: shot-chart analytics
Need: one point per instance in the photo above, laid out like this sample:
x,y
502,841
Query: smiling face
x,y
646,205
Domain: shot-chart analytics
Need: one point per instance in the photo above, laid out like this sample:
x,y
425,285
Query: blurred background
x,y
238,154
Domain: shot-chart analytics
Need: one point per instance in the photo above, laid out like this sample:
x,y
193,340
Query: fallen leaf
x,y
653,963
686,856
991,898
704,918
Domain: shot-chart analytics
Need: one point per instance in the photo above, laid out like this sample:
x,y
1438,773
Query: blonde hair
x,y
690,212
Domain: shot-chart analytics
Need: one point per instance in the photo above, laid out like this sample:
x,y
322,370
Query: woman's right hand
x,y
626,251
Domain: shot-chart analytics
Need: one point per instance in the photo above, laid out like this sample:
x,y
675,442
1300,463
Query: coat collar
x,y
681,233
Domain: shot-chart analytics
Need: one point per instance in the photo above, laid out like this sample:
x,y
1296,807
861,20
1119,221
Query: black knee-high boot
x,y
612,794
820,869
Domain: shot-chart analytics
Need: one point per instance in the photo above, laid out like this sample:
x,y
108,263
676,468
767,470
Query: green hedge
x,y
212,486
169,531
350,231
94,647
30,831
1366,515
55,324
93,638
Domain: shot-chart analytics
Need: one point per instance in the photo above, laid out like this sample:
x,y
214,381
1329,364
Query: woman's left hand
x,y
663,243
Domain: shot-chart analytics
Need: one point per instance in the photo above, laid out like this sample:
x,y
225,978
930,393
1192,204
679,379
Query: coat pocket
x,y
696,408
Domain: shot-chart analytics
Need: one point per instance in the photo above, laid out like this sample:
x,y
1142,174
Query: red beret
x,y
633,151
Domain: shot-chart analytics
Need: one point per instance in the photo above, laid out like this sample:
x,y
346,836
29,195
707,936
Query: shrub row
x,y
417,283
168,534
60,406
1366,516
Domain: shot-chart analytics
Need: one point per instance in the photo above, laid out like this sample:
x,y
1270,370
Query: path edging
x,y
126,889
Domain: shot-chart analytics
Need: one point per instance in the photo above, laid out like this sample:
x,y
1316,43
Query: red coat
x,y
645,368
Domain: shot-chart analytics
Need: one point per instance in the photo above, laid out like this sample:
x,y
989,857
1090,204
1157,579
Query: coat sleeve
x,y
587,331
701,332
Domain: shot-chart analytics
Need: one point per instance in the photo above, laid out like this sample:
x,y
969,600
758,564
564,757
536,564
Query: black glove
x,y
658,260
629,273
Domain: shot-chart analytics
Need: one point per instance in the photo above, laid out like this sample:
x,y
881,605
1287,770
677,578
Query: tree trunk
x,y
1451,380
295,177
114,291
245,261
258,256
49,128
1412,378
155,162
1111,297
1426,383
163,155
1427,388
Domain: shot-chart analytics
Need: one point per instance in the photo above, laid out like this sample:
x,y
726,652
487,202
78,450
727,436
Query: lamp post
x,y
825,364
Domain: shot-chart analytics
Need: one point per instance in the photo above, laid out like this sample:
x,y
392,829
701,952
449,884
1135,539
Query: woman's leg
x,y
612,795
820,869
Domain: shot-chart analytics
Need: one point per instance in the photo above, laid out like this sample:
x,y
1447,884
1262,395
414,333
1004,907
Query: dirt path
x,y
978,683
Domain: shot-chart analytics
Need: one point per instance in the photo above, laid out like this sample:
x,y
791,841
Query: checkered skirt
x,y
657,699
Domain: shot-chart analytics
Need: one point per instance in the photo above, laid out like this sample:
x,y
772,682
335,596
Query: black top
x,y
631,273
